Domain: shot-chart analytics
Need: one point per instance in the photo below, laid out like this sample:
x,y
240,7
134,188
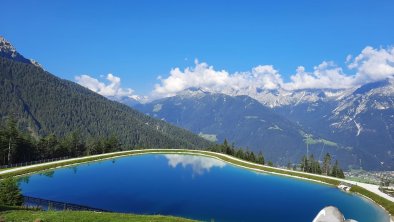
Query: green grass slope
x,y
82,216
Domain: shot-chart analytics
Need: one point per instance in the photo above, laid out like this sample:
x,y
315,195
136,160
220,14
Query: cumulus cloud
x,y
206,77
373,64
201,75
370,65
262,77
112,88
324,76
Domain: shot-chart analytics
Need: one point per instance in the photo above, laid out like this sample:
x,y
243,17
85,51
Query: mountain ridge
x,y
242,120
46,104
360,122
7,50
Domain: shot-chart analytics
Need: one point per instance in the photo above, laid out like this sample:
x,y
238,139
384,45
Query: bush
x,y
10,194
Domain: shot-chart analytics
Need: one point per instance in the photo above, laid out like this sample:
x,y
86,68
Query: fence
x,y
32,162
56,205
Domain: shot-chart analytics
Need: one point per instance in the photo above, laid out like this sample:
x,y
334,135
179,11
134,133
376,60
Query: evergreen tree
x,y
240,154
260,158
340,173
311,164
111,144
12,135
304,164
75,145
10,194
46,147
326,164
252,158
337,171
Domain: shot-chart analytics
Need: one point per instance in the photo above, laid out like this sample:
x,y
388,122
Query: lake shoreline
x,y
21,171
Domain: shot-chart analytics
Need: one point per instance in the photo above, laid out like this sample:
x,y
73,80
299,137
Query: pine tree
x,y
335,169
10,194
326,164
252,158
240,154
304,164
260,158
12,137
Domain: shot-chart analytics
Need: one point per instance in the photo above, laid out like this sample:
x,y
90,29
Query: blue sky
x,y
140,40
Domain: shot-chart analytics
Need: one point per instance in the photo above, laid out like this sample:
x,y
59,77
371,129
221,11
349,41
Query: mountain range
x,y
356,125
244,121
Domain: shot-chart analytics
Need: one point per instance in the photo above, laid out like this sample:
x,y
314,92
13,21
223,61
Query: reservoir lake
x,y
195,187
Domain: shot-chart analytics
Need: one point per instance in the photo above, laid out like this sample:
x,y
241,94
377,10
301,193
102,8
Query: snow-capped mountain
x,y
281,97
244,121
127,100
8,51
360,120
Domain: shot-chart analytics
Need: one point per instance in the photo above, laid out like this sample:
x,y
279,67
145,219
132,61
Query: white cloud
x,y
201,75
111,89
206,77
324,76
373,64
267,77
370,65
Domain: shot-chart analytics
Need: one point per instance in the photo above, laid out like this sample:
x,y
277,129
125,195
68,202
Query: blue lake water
x,y
195,187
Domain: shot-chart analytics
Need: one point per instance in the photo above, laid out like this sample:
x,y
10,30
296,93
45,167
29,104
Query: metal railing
x,y
56,205
32,162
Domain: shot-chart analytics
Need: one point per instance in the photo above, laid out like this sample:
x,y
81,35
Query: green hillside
x,y
45,104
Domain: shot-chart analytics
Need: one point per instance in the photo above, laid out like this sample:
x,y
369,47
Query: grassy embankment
x,y
388,205
11,214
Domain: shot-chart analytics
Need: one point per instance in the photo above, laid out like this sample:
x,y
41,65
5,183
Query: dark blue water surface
x,y
194,187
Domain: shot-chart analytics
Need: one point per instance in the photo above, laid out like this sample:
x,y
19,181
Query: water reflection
x,y
48,173
24,179
199,164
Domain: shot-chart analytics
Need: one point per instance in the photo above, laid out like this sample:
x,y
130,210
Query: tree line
x,y
237,152
310,165
19,147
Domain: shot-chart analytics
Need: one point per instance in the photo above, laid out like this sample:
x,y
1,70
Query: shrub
x,y
10,194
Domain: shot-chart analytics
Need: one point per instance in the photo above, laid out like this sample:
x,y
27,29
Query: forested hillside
x,y
44,104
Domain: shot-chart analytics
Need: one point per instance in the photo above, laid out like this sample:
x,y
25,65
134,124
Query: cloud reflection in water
x,y
199,164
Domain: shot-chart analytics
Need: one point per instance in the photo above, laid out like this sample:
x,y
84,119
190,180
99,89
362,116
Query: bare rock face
x,y
7,50
331,214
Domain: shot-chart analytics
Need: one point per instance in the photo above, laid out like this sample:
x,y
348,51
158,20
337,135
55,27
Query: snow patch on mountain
x,y
157,108
359,128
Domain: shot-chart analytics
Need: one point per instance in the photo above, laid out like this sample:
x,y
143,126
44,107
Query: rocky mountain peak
x,y
7,50
193,92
